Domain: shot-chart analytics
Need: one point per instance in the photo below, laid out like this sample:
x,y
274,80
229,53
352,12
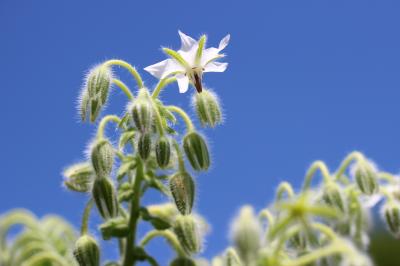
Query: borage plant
x,y
326,224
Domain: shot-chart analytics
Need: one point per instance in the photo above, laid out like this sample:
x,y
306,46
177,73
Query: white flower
x,y
190,62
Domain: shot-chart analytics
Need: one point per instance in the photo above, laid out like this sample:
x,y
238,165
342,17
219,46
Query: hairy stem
x,y
124,88
103,123
183,114
128,66
168,235
85,217
161,85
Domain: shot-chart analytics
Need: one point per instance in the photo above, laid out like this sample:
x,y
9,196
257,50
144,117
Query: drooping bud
x,y
87,252
164,211
163,152
182,189
142,111
332,196
246,233
79,177
207,108
144,145
105,198
182,261
188,234
366,179
102,157
95,91
232,258
391,215
116,227
196,151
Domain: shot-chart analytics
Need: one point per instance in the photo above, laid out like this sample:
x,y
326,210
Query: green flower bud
x,y
232,258
115,227
79,177
246,233
102,156
142,111
163,152
164,211
84,102
105,197
182,261
182,189
188,234
87,251
366,179
391,215
196,151
144,145
207,108
333,197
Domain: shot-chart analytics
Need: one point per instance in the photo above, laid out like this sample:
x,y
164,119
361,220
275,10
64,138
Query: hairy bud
x,y
142,111
116,227
182,261
163,152
391,215
144,145
332,196
188,233
105,197
366,179
196,151
96,90
207,108
79,177
246,233
182,189
232,258
87,251
102,157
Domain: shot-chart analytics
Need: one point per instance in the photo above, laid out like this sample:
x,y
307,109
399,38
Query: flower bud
x,y
182,189
116,227
98,82
163,152
79,177
182,261
142,111
246,233
84,102
207,108
164,211
87,251
196,151
102,157
105,197
188,234
366,179
144,145
232,258
391,215
333,197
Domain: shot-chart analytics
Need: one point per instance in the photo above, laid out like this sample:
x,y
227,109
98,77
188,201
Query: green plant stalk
x,y
85,217
184,115
104,122
168,235
161,85
124,88
128,66
129,258
318,165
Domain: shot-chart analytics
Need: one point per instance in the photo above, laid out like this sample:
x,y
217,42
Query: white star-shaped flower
x,y
190,62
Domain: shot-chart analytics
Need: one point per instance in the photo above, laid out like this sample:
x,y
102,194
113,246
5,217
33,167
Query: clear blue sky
x,y
307,80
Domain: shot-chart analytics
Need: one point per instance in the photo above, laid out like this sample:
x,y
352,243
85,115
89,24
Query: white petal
x,y
209,55
187,41
215,67
164,68
183,83
224,42
189,55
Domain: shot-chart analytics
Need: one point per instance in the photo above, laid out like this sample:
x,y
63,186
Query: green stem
x,y
284,187
128,66
185,117
161,85
168,235
354,156
85,217
318,165
124,88
181,162
103,123
129,258
159,123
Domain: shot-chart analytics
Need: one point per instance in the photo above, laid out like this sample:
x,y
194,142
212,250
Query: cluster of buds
x,y
326,225
151,154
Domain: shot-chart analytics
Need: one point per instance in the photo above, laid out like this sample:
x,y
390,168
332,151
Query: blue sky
x,y
307,80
